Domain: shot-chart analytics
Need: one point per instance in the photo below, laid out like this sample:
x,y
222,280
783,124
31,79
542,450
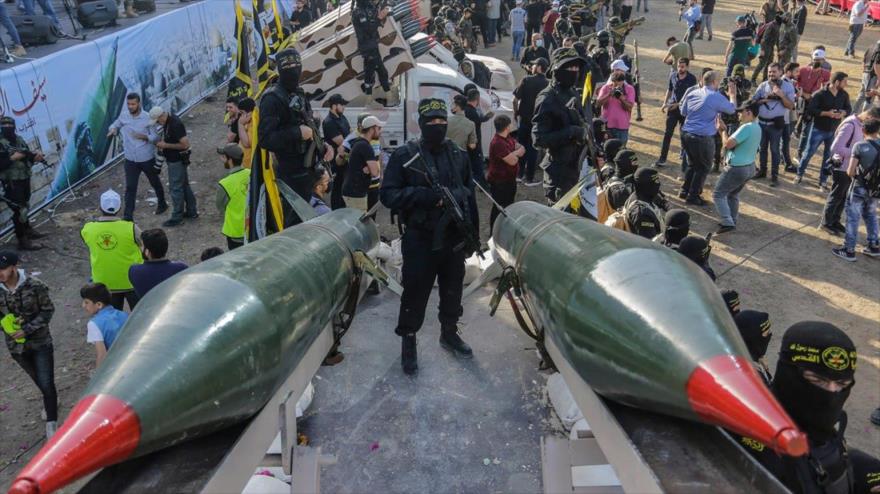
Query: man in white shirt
x,y
858,16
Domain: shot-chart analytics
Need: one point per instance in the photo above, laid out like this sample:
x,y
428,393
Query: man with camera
x,y
731,122
828,107
616,100
776,97
174,146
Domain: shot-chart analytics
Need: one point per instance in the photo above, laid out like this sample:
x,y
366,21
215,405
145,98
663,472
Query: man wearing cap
x,y
558,125
231,198
616,99
287,129
366,19
114,246
524,98
174,145
701,108
741,40
30,343
432,248
775,98
814,376
335,129
810,79
363,165
139,139
16,161
740,166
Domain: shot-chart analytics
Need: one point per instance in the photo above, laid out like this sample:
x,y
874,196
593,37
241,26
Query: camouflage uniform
x,y
769,40
16,181
788,41
29,301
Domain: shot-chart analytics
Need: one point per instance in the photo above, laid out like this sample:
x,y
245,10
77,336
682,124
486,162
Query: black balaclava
x,y
697,249
678,225
611,148
731,299
826,350
7,129
289,66
754,327
647,183
626,162
564,77
432,135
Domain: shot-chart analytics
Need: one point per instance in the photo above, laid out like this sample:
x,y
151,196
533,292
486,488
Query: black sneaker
x,y
696,201
409,354
875,417
790,168
760,174
682,195
871,251
172,222
659,164
191,216
724,229
829,229
774,182
839,227
844,254
161,208
450,340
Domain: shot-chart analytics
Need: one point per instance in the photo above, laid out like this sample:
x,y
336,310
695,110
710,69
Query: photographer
x,y
775,97
731,122
827,107
174,145
616,100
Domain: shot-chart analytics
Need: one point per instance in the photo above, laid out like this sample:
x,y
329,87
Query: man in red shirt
x,y
809,80
549,23
504,155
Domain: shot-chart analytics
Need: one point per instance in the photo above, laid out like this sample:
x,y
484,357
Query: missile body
x,y
640,323
206,348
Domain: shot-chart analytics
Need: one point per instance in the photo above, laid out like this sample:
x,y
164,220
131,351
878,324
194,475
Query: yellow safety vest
x,y
112,250
236,186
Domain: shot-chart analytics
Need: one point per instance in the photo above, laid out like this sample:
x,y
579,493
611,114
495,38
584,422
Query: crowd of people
x,y
572,117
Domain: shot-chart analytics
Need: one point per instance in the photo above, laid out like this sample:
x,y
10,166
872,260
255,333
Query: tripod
x,y
77,26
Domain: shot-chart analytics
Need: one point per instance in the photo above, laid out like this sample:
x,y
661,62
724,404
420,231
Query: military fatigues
x,y
769,40
30,301
788,41
558,128
281,114
366,23
16,180
562,29
430,240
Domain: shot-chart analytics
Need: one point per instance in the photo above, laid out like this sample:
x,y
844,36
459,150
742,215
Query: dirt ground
x,y
777,259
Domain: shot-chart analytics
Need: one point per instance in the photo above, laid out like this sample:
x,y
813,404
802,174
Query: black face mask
x,y
816,65
433,135
290,78
8,133
814,409
566,78
674,234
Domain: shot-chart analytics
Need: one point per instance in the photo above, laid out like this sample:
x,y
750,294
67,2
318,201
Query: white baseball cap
x,y
371,121
155,113
819,54
619,65
110,201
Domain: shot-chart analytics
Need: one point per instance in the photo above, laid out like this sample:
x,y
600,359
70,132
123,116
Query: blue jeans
x,y
814,138
39,364
492,27
183,201
726,193
770,139
45,5
133,170
518,37
855,30
7,23
860,206
620,134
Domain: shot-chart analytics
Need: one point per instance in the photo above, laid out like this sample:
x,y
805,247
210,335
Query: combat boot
x,y
408,354
34,235
450,340
26,244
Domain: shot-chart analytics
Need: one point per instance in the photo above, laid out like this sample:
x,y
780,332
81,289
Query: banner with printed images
x,y
64,103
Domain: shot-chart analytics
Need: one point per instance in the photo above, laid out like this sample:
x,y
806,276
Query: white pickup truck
x,y
425,80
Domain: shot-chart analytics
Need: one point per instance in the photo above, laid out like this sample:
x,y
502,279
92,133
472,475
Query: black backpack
x,y
871,176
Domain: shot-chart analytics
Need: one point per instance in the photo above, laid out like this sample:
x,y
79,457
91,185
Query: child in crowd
x,y
106,321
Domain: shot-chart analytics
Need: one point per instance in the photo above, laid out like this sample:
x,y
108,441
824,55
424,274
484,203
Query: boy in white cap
x,y
113,248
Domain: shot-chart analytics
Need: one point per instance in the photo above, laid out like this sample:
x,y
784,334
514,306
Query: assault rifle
x,y
452,209
637,80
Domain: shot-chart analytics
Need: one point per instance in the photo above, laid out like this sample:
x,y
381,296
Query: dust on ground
x,y
777,259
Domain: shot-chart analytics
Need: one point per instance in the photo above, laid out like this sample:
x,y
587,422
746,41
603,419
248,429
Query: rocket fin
x,y
300,206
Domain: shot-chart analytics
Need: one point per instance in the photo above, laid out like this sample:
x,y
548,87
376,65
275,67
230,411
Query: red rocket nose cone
x,y
101,430
725,390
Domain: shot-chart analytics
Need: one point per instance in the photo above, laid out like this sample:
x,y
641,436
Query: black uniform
x,y
558,126
366,22
15,176
830,466
333,126
283,108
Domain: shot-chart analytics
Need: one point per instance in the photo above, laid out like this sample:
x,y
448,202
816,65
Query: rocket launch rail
x,y
649,452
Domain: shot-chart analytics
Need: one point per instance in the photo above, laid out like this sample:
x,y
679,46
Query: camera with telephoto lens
x,y
681,2
617,93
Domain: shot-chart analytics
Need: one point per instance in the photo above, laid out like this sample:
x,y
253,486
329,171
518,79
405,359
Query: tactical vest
x,y
18,169
236,187
112,250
